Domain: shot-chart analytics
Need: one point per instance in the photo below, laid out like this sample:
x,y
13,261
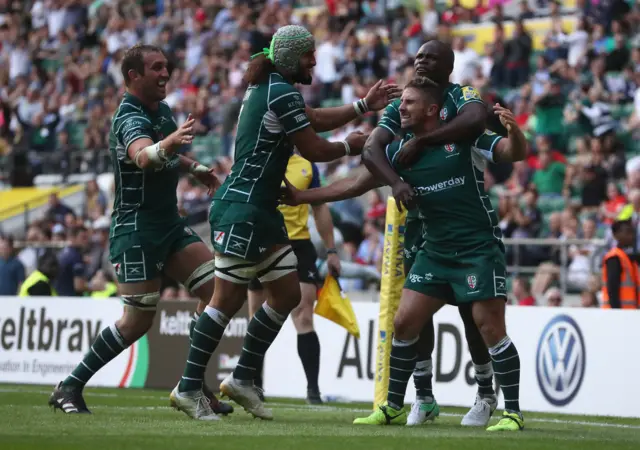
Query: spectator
x,y
550,176
370,250
620,271
37,236
466,61
553,297
612,207
102,285
588,300
72,276
40,282
518,53
11,269
522,292
57,209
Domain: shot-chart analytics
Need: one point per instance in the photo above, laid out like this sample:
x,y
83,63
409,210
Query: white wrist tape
x,y
197,168
347,149
154,153
361,107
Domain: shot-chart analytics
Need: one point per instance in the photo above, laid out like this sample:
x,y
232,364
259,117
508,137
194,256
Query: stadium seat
x,y
80,178
45,180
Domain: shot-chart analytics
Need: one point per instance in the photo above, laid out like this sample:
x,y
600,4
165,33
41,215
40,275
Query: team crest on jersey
x,y
472,281
444,113
470,93
116,268
450,148
218,237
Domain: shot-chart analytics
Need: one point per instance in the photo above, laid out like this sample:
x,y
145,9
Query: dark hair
x,y
134,60
48,264
259,69
619,224
429,88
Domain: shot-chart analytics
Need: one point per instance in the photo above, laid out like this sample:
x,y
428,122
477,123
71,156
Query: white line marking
x,y
293,407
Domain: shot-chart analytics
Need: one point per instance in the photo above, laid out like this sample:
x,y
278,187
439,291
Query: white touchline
x,y
293,407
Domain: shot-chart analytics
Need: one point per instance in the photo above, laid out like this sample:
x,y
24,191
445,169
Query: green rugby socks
x,y
401,365
422,376
205,337
106,347
506,366
261,332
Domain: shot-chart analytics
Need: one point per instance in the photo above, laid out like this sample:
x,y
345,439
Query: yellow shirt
x,y
303,175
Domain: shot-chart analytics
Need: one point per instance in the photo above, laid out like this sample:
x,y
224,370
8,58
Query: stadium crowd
x,y
576,94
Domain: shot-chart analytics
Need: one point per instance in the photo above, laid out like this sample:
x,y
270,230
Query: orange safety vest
x,y
629,284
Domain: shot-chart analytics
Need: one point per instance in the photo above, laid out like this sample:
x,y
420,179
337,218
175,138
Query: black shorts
x,y
307,270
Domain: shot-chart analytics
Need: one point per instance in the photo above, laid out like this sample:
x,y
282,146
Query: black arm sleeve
x,y
40,288
614,273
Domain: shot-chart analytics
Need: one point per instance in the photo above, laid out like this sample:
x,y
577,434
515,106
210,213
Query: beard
x,y
302,79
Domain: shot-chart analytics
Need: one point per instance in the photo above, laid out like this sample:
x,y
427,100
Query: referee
x,y
303,174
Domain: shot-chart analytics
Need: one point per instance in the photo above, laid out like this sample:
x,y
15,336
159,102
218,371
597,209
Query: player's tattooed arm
x,y
514,147
378,97
350,187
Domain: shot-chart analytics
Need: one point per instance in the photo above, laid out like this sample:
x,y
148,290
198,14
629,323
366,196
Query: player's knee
x,y
302,317
405,328
135,323
490,322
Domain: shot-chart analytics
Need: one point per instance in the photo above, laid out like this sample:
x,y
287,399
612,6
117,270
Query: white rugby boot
x,y
481,412
245,396
194,404
423,411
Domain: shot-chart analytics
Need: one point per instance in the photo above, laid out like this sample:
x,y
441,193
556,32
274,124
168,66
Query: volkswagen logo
x,y
561,360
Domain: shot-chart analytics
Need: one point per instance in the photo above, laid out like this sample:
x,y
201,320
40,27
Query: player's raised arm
x,y
514,147
134,133
350,187
327,119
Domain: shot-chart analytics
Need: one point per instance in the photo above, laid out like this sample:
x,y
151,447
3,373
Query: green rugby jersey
x,y
145,199
449,180
456,97
270,112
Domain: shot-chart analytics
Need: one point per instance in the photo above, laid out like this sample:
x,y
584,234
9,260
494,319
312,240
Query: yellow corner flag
x,y
390,292
335,306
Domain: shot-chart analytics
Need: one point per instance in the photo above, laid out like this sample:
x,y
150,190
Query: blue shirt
x,y
71,266
11,275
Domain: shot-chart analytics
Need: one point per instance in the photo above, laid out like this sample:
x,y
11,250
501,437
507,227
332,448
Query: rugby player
x,y
355,186
462,257
247,230
148,236
303,175
463,118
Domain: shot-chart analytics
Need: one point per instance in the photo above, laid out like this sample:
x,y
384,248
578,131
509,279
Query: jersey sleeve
x,y
289,107
128,128
391,118
485,144
392,151
465,95
315,177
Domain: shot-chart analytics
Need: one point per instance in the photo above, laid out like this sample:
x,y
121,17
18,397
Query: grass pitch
x,y
141,419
